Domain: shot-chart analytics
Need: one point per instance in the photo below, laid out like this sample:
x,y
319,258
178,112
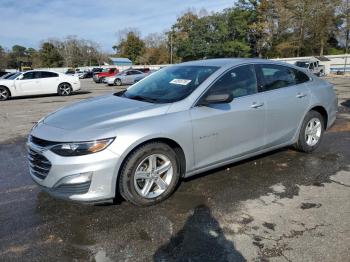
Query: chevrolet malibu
x,y
38,83
178,122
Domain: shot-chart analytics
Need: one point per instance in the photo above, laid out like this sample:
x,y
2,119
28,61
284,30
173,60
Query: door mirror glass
x,y
223,98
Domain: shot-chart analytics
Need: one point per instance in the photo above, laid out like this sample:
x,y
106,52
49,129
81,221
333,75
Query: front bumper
x,y
76,86
96,79
89,178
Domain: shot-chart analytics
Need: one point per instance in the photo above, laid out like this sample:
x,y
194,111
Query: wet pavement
x,y
281,206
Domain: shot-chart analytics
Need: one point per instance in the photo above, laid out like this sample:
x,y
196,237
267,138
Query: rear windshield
x,y
13,76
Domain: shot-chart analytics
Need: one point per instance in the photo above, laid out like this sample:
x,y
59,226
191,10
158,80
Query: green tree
x,y
3,58
50,56
131,46
18,54
216,35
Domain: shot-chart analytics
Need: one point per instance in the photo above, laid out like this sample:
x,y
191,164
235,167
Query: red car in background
x,y
98,77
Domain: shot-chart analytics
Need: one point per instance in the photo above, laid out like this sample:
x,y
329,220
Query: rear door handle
x,y
301,95
257,105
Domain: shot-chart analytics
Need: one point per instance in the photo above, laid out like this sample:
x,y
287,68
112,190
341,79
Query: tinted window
x,y
29,75
275,76
48,74
240,81
302,64
300,77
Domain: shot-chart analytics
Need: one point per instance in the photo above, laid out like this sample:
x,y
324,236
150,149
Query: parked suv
x,y
179,121
312,65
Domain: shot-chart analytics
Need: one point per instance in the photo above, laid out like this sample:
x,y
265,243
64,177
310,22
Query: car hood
x,y
94,118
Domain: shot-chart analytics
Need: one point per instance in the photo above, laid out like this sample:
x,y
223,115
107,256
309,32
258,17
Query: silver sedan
x,y
126,77
180,121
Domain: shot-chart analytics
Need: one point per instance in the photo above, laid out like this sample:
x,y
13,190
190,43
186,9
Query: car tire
x,y
64,89
118,82
4,93
140,185
311,132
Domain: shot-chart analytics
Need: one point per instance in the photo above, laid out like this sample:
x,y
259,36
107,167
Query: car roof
x,y
41,70
223,62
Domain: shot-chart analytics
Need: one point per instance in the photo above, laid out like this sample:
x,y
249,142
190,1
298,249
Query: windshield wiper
x,y
142,98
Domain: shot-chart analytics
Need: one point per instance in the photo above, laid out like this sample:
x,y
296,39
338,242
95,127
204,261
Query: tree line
x,y
69,52
250,28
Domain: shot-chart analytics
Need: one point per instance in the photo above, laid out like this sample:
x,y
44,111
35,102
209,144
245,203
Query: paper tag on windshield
x,y
183,82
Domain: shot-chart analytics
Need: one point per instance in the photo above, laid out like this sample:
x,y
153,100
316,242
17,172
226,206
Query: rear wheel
x,y
311,132
64,89
4,93
149,175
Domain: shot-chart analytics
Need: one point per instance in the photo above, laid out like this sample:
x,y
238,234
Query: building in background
x,y
120,61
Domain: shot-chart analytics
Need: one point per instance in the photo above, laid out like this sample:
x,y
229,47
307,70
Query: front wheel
x,y
150,174
311,132
64,89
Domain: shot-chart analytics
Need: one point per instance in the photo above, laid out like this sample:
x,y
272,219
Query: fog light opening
x,y
75,179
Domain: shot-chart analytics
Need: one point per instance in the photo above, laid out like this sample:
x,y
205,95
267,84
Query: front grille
x,y
73,189
41,142
39,165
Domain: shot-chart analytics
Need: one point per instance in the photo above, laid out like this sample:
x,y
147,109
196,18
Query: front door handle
x,y
301,95
257,105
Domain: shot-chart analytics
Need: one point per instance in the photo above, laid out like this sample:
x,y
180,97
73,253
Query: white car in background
x,y
126,77
38,83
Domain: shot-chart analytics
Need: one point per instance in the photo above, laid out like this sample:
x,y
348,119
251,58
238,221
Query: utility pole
x,y
171,48
347,32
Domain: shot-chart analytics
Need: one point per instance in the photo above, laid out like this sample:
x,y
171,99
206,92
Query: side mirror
x,y
223,98
20,77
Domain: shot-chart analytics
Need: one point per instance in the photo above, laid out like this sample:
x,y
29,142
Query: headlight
x,y
81,148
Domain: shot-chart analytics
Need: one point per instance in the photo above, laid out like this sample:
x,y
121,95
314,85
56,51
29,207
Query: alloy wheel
x,y
153,175
313,131
65,89
4,94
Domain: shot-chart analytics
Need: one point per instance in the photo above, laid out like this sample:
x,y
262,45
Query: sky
x,y
28,22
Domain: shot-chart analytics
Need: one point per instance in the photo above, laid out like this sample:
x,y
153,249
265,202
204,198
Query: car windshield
x,y
302,64
13,76
170,84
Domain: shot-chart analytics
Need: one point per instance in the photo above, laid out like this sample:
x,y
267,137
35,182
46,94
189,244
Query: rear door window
x,y
300,77
48,74
276,76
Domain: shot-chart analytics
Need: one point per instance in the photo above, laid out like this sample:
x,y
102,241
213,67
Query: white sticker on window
x,y
183,82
